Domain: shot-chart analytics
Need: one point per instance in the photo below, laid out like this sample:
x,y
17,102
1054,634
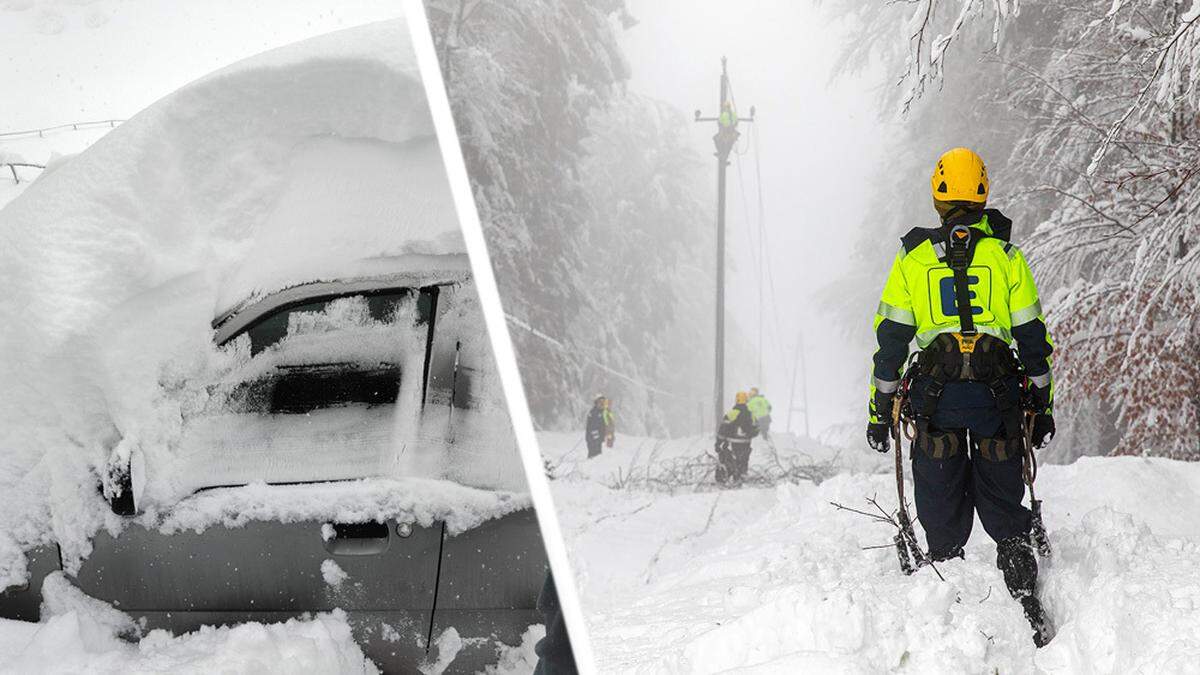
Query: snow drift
x,y
286,168
777,579
81,634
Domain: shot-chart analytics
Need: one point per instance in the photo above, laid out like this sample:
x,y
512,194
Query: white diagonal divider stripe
x,y
502,346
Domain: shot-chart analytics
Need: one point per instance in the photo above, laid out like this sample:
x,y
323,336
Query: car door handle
x,y
370,538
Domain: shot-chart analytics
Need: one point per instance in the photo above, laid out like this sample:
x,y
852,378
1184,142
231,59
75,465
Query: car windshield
x,y
333,351
338,313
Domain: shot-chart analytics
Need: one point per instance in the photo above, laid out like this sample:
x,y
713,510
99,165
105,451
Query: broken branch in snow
x,y
889,517
694,472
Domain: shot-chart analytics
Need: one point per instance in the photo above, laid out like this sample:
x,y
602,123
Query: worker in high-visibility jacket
x,y
610,422
965,293
727,129
760,408
733,442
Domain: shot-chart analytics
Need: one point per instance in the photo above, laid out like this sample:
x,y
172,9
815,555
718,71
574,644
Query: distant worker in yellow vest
x,y
727,131
966,294
760,408
610,423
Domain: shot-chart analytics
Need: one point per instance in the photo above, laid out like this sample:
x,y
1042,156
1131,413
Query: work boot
x,y
1016,560
1035,614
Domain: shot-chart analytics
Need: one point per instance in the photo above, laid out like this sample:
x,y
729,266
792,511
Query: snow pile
x,y
81,634
777,579
52,151
290,167
418,500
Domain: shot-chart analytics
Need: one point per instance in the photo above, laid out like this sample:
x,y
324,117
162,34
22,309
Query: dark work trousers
x,y
764,427
733,459
741,459
725,461
554,651
594,446
956,473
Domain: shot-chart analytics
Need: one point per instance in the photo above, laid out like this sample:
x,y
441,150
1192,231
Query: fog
x,y
819,141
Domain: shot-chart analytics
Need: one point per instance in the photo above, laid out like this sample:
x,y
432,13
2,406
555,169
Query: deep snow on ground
x,y
51,150
79,634
775,579
289,167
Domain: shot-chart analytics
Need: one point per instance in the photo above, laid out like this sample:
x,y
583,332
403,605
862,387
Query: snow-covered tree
x,y
1087,113
589,203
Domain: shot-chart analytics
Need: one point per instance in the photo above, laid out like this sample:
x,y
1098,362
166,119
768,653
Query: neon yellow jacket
x,y
759,406
919,302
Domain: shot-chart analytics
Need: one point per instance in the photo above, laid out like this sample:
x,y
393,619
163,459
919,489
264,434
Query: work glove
x,y
878,434
1040,398
1043,430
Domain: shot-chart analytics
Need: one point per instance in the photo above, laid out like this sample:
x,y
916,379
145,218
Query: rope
x,y
763,262
756,254
1030,460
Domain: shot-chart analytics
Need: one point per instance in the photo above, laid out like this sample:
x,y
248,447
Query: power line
x,y
766,251
755,255
762,258
523,325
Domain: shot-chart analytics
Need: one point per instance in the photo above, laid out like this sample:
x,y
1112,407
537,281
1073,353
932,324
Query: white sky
x,y
75,61
818,146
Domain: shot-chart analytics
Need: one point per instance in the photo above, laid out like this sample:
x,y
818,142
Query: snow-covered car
x,y
340,444
247,314
320,407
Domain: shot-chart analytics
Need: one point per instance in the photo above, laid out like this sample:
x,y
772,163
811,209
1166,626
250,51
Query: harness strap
x,y
958,256
1011,414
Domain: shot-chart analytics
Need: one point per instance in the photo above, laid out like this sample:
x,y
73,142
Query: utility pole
x,y
725,138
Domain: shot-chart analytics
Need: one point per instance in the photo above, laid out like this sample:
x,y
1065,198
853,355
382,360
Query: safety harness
x,y
963,356
968,355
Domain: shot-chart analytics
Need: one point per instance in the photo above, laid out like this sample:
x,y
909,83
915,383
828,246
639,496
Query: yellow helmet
x,y
960,176
741,397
